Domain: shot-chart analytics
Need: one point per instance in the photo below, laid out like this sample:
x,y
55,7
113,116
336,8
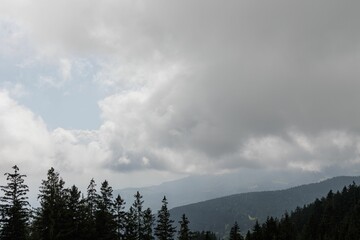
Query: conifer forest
x,y
67,213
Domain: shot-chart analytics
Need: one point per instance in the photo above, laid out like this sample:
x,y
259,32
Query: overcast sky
x,y
160,89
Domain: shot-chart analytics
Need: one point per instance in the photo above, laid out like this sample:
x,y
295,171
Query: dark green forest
x,y
334,217
67,213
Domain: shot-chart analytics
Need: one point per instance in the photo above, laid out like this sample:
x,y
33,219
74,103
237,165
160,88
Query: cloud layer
x,y
200,86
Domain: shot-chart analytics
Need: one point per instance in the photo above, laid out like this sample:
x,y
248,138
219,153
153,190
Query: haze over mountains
x,y
215,202
194,189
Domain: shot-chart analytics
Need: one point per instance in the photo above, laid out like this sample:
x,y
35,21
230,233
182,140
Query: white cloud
x,y
78,151
24,137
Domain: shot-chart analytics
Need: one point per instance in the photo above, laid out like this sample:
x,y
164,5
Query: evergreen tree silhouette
x,y
14,207
164,229
184,232
235,232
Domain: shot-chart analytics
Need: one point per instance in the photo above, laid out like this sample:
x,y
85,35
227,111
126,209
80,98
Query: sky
x,y
140,92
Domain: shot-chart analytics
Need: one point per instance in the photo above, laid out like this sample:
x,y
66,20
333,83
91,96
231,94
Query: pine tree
x,y
130,224
148,225
137,205
105,220
184,232
286,228
74,218
89,209
248,235
120,216
50,219
14,207
257,231
164,229
92,197
235,233
270,228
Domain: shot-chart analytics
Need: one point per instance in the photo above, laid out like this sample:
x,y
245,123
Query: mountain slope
x,y
194,189
218,214
334,217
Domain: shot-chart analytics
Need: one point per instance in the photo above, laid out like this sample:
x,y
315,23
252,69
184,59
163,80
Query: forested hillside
x,y
219,214
334,217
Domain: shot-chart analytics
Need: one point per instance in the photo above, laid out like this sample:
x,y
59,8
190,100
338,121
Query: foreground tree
x,y
120,217
89,208
50,221
139,216
148,225
105,219
130,224
164,229
74,215
14,207
184,232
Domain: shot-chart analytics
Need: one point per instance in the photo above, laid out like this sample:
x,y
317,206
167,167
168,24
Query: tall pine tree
x,y
130,224
164,229
89,209
120,217
50,222
14,206
105,220
184,232
137,205
148,225
74,214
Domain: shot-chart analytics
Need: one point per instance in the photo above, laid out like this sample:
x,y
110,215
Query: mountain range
x,y
198,188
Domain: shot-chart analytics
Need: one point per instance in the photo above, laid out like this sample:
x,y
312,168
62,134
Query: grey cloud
x,y
257,69
248,70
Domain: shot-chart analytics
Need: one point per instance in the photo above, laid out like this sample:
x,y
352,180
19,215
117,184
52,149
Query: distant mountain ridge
x,y
198,188
219,214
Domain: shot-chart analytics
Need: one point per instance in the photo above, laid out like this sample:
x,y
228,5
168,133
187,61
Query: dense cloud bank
x,y
197,87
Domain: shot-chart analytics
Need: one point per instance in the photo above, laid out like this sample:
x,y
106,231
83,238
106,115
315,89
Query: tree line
x,y
66,213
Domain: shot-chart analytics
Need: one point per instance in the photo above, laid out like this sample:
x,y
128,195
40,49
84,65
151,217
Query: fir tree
x,y
270,228
286,228
138,214
164,229
105,221
74,217
92,197
257,231
148,225
50,220
184,232
120,217
14,207
131,224
235,233
89,209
